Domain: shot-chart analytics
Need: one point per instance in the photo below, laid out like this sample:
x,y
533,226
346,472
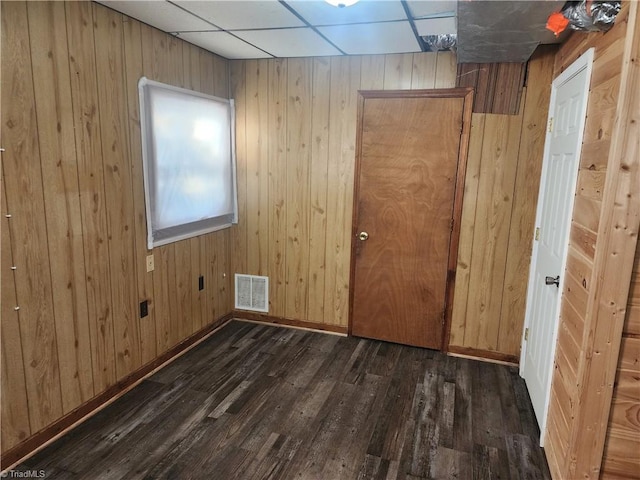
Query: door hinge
x,y
537,233
526,334
550,126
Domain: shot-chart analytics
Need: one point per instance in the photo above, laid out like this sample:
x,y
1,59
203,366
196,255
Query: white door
x,y
567,112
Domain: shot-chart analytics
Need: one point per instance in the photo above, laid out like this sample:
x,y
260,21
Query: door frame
x,y
584,62
467,94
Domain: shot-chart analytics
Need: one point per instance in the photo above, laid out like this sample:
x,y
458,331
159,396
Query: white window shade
x,y
189,162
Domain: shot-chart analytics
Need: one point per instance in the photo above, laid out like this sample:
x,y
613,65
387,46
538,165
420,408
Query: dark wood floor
x,y
258,401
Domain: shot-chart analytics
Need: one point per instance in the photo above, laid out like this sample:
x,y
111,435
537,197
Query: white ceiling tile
x,y
223,44
318,12
373,38
160,14
240,14
429,8
289,42
436,26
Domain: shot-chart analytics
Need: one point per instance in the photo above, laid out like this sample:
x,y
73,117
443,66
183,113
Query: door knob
x,y
552,281
363,236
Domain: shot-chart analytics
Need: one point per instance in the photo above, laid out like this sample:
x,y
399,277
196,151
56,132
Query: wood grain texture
x,y
405,203
132,35
491,232
317,406
613,250
61,199
25,197
13,395
84,93
318,174
118,187
331,102
459,310
72,176
299,81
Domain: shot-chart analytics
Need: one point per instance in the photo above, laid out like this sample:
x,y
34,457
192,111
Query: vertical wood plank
x,y
298,159
257,77
446,70
52,89
492,221
25,199
424,71
467,229
239,232
277,185
117,176
318,188
397,71
14,414
133,72
345,79
93,203
371,72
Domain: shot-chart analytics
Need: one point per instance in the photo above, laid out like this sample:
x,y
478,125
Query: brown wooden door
x,y
409,167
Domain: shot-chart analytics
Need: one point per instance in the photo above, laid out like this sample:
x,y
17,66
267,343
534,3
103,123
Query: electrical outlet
x,y
144,308
201,282
150,263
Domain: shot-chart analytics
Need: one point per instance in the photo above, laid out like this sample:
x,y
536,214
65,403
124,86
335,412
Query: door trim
x,y
585,61
466,93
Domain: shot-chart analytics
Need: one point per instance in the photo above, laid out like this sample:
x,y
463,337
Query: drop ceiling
x,y
239,29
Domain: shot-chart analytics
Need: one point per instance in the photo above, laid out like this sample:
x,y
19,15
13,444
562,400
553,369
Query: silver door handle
x,y
552,281
363,236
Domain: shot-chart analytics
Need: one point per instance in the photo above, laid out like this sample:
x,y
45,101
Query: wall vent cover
x,y
252,293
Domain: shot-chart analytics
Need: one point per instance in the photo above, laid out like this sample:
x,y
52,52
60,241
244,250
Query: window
x,y
189,162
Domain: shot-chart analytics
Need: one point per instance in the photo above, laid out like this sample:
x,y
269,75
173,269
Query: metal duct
x,y
591,16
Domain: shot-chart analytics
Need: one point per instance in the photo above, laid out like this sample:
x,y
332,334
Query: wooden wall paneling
x,y
601,110
445,70
239,232
84,97
14,415
397,71
586,212
582,240
52,88
590,184
133,65
278,122
318,175
467,228
112,100
423,75
372,72
257,75
617,239
621,459
161,294
299,81
25,199
491,235
345,80
525,199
